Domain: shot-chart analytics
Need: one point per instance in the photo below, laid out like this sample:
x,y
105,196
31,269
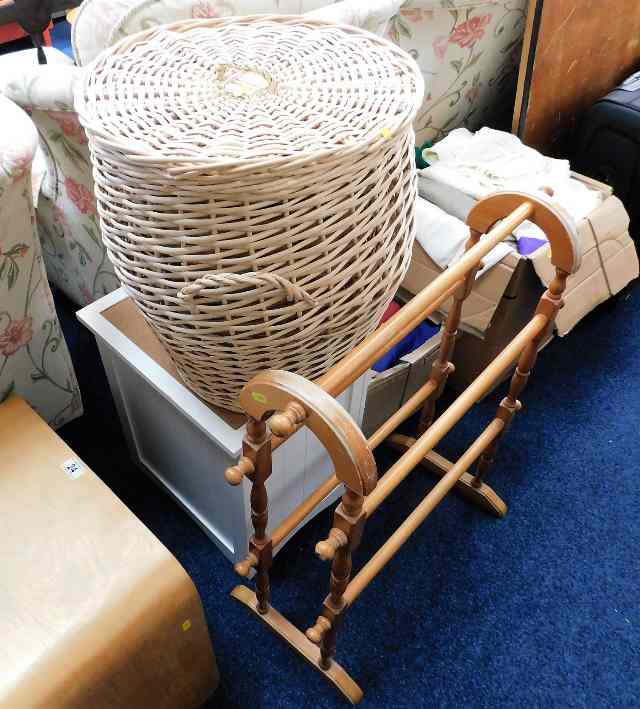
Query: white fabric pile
x,y
465,167
444,237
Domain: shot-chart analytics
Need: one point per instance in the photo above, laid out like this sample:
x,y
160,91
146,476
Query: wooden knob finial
x,y
235,473
286,422
243,568
327,549
317,632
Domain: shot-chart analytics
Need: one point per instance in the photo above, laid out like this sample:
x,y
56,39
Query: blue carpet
x,y
537,610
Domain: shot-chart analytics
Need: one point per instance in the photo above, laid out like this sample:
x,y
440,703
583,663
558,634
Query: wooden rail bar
x,y
482,384
406,329
395,542
436,432
281,402
297,516
339,377
402,414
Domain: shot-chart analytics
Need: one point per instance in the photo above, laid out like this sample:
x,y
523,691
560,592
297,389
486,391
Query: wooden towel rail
x,y
278,403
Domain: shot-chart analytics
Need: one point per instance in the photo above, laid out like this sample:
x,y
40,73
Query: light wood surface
x,y
275,390
483,496
404,412
443,366
337,379
532,26
565,252
436,432
95,612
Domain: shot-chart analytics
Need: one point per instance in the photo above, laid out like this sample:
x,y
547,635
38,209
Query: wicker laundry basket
x,y
256,186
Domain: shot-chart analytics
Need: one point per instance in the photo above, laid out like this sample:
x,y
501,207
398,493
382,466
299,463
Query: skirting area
x,y
537,610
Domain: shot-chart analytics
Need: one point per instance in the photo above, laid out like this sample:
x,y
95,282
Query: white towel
x,y
478,164
443,237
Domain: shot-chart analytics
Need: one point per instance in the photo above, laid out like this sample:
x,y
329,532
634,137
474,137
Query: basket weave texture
x,y
256,188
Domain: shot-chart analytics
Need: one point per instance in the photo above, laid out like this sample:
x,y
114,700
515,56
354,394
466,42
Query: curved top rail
x,y
351,456
557,226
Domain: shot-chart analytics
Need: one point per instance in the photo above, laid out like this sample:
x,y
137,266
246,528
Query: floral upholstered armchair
x,y
469,53
67,218
75,258
34,360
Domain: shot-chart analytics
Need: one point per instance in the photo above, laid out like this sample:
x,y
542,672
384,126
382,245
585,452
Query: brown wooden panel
x,y
578,51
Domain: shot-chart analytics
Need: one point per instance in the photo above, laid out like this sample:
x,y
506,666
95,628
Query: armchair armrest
x,y
18,142
39,86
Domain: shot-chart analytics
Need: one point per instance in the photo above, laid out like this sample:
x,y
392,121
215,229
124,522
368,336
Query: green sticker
x,y
260,398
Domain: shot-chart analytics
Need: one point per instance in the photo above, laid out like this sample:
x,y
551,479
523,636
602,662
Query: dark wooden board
x,y
575,52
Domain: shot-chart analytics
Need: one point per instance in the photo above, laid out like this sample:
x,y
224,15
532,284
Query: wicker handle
x,y
215,280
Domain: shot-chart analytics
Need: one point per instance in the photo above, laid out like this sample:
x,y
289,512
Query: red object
x,y
12,31
391,310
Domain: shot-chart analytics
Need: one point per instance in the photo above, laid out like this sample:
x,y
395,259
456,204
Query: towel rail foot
x,y
484,496
336,674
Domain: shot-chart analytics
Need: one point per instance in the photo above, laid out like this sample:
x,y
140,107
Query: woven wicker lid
x,y
247,91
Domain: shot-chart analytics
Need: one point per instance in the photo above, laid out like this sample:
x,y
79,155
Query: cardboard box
x,y
388,390
504,298
609,262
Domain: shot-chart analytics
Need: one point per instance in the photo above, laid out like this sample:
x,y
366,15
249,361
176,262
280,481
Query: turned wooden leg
x,y
256,465
550,303
338,548
443,365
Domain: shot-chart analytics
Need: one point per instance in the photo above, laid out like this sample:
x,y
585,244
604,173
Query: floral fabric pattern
x,y
466,34
67,215
468,51
70,126
67,221
83,199
202,10
17,334
34,360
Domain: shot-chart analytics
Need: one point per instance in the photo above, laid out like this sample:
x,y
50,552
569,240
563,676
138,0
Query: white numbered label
x,y
73,468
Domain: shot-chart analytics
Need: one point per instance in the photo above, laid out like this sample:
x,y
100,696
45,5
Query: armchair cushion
x,y
100,23
468,51
34,360
373,15
67,216
94,22
40,88
75,257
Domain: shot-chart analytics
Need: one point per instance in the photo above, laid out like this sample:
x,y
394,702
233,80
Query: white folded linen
x,y
477,164
443,237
